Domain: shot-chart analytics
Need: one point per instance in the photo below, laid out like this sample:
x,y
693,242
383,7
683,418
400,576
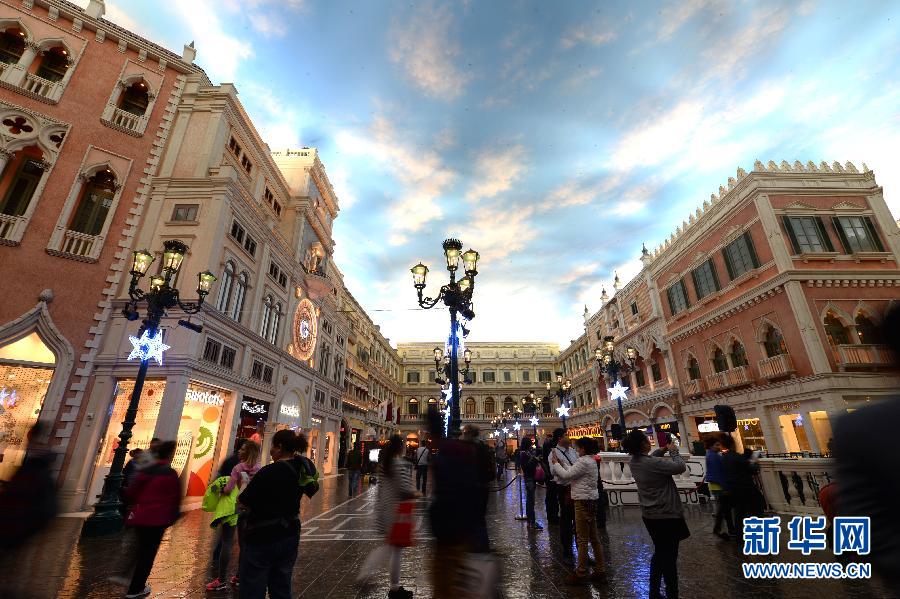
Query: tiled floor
x,y
337,536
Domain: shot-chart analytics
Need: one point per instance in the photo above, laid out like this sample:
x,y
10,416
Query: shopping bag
x,y
539,474
401,532
478,576
374,563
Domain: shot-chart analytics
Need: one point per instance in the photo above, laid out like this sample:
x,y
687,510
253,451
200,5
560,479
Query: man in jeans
x,y
270,532
422,452
354,468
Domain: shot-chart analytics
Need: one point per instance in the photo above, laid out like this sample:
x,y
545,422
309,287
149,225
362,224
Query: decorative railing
x,y
411,417
776,366
126,120
792,485
863,356
618,482
78,244
9,226
693,387
734,377
38,85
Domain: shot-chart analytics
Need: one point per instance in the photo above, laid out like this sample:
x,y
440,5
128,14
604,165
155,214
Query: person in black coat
x,y
746,498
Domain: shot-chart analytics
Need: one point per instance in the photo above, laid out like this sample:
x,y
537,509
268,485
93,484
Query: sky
x,y
554,138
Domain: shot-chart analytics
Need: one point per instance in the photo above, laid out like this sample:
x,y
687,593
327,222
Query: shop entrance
x,y
342,453
26,369
254,415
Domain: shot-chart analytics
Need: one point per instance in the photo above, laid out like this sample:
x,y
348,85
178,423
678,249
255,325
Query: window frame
x,y
731,246
705,279
678,285
181,207
866,225
818,228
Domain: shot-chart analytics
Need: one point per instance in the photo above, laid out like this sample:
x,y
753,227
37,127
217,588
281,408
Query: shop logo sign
x,y
253,408
291,411
204,397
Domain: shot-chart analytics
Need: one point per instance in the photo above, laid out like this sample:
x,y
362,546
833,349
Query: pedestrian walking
x,y
354,469
715,479
226,518
422,453
582,479
500,457
565,454
745,498
155,496
231,461
484,469
551,497
528,462
148,457
395,486
128,474
660,507
602,498
270,529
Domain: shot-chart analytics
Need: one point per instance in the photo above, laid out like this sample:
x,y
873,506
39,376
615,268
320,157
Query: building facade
x,y
767,300
86,108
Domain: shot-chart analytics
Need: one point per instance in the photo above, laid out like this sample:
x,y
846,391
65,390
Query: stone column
x,y
5,157
809,332
776,240
810,431
172,406
16,73
772,433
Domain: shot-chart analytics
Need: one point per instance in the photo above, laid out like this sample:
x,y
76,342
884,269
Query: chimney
x,y
189,53
95,8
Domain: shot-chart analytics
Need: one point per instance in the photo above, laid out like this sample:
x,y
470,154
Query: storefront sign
x,y
315,421
708,427
253,408
210,398
291,411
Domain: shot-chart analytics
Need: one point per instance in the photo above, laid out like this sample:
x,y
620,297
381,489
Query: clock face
x,y
305,329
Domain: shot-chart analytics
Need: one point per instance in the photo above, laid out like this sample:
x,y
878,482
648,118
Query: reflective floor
x,y
338,534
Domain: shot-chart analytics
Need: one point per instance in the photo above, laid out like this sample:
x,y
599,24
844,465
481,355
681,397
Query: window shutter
x,y
826,239
751,249
671,303
870,227
715,277
696,286
728,266
836,221
684,293
786,220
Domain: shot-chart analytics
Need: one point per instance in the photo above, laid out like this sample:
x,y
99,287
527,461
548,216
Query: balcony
x,y
862,356
11,228
411,417
776,367
79,244
39,86
693,388
317,284
124,121
735,377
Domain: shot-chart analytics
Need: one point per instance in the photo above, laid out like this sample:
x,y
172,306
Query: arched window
x,y
93,207
545,406
225,287
432,405
276,320
693,368
720,363
240,293
867,331
509,405
135,98
835,330
738,355
54,64
12,45
489,407
21,190
413,406
268,307
774,342
470,407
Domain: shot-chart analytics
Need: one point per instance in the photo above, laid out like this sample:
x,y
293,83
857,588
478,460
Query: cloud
x,y
679,12
580,77
426,49
595,34
218,52
268,24
499,231
578,192
421,174
732,52
496,171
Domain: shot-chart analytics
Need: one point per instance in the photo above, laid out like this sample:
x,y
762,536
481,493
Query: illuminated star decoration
x,y
618,391
517,426
534,421
147,347
505,430
563,411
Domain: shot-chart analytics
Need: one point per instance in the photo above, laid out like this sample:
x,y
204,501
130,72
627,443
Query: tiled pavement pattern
x,y
337,536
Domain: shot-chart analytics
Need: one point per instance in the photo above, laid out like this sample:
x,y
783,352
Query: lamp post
x,y
563,389
161,296
612,367
457,296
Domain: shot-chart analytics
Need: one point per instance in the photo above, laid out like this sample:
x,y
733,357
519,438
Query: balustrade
x,y
776,366
791,485
38,85
856,356
733,377
78,244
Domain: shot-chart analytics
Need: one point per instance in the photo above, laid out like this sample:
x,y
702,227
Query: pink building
x,y
85,110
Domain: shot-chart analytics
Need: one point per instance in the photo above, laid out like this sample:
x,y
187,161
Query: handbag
x,y
539,475
401,533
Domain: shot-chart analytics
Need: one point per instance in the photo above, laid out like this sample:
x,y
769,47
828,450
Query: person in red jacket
x,y
154,497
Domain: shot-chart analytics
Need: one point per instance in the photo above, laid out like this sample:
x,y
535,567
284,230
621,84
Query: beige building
x,y
502,375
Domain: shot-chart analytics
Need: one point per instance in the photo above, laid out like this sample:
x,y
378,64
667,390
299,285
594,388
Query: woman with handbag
x,y
155,496
529,464
660,507
393,515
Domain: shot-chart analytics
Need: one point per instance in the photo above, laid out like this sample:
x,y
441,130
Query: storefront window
x,y
254,415
199,431
751,434
22,393
144,421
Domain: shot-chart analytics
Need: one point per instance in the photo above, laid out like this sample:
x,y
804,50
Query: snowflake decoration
x,y
618,391
147,347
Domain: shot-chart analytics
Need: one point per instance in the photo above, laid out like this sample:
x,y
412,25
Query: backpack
x,y
309,478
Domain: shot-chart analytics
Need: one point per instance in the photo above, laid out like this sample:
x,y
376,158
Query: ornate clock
x,y
305,329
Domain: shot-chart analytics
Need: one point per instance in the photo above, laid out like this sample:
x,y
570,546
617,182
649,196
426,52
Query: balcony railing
x,y
38,85
776,366
863,356
693,387
9,226
126,120
621,489
78,244
792,485
734,377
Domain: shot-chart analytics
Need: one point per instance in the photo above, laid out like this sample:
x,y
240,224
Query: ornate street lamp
x,y
161,296
608,364
563,390
457,296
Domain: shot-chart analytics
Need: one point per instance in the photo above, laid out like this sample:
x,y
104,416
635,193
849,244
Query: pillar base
x,y
105,521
